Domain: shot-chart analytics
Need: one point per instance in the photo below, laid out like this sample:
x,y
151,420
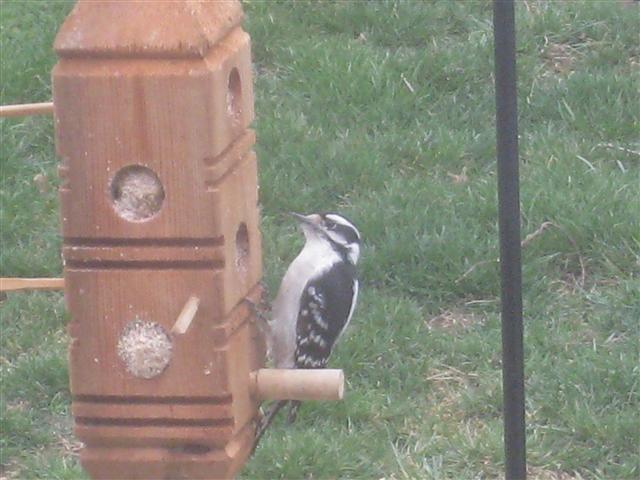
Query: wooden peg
x,y
292,384
12,284
45,108
186,316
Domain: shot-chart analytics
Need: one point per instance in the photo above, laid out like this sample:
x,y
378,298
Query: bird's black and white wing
x,y
326,308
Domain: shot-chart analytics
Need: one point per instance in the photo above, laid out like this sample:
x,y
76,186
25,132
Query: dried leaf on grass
x,y
454,319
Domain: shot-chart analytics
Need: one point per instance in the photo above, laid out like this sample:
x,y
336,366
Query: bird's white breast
x,y
315,258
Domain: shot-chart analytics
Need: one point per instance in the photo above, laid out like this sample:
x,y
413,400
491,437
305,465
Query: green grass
x,y
369,109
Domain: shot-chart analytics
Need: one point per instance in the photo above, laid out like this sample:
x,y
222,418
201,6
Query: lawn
x,y
384,111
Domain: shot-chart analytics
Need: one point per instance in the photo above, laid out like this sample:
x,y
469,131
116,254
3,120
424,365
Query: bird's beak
x,y
312,220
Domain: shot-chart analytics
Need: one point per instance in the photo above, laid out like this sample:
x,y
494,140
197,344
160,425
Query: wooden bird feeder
x,y
152,104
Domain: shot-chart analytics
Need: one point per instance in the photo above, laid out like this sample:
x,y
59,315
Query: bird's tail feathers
x,y
293,411
266,421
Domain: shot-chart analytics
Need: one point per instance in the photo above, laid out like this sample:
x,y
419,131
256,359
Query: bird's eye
x,y
330,224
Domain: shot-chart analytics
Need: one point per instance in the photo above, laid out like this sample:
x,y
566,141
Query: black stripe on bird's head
x,y
334,228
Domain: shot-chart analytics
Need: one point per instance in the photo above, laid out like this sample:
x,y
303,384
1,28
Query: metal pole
x,y
509,221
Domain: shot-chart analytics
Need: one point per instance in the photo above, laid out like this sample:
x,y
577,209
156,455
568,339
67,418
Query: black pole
x,y
509,221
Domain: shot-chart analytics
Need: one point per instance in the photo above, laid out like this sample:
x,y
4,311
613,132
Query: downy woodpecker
x,y
316,298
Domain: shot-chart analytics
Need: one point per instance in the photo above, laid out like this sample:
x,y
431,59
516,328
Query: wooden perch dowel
x,y
186,315
303,384
11,284
45,108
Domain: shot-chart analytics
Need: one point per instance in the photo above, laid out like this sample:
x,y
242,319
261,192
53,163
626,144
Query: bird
x,y
315,301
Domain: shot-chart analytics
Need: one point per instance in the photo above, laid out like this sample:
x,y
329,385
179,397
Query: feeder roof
x,y
149,29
